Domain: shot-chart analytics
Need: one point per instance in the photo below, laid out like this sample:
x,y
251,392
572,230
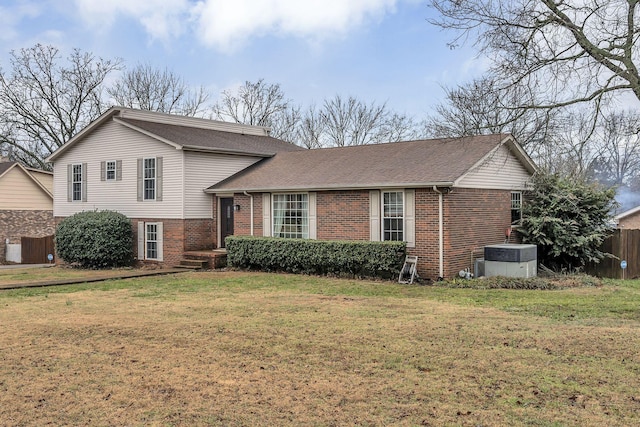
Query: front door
x,y
226,219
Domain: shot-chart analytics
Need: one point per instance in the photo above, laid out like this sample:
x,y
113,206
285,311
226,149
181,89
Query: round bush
x,y
96,239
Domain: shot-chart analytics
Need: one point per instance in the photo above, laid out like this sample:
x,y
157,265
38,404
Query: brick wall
x,y
15,224
472,219
343,215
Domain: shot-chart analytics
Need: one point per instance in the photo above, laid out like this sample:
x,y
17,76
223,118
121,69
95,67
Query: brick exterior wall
x,y
472,219
15,224
343,215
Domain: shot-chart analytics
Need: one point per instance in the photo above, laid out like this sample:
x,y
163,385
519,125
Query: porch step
x,y
192,264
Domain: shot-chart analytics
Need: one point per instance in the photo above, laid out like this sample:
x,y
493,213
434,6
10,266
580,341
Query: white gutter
x,y
250,210
440,232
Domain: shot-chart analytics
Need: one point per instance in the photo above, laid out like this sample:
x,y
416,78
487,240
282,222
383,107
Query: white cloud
x,y
161,19
226,24
11,16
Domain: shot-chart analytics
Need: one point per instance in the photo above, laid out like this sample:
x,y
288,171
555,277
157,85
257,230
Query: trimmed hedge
x,y
96,239
322,257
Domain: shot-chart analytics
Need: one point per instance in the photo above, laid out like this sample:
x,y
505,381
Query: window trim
x,y
145,179
75,182
308,217
383,217
115,170
147,241
518,208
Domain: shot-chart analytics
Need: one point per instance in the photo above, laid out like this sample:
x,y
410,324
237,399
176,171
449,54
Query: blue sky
x,y
375,50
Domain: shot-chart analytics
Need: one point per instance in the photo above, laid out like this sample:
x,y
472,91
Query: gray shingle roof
x,y
208,139
423,162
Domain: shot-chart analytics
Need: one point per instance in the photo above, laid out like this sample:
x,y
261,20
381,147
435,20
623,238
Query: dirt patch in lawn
x,y
236,354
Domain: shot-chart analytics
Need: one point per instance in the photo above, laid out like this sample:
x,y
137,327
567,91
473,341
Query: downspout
x,y
250,209
440,232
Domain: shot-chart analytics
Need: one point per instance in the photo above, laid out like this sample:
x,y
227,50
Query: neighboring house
x,y
26,206
446,198
629,220
153,168
188,183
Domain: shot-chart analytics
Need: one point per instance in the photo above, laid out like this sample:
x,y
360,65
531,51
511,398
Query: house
x,y
26,207
629,219
188,183
153,168
447,198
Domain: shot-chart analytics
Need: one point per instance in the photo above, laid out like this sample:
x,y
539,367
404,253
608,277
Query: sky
x,y
382,51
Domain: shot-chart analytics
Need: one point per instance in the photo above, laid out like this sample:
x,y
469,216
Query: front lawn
x,y
238,349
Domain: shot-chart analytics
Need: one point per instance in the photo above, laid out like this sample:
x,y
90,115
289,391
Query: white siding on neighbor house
x,y
18,191
202,170
113,141
501,171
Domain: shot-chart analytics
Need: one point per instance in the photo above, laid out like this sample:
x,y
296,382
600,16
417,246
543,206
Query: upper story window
x,y
516,207
291,215
110,170
150,178
393,215
76,182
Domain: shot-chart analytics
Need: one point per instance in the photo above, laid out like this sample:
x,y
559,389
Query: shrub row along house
x,y
187,183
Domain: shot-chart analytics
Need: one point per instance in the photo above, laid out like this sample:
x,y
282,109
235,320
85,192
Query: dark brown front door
x,y
226,219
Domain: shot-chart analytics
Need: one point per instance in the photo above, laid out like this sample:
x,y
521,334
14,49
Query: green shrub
x,y
95,239
322,257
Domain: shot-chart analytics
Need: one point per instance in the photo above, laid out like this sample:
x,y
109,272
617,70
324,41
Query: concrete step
x,y
192,264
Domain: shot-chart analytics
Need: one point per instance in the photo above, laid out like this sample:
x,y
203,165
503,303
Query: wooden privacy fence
x,y
624,245
36,249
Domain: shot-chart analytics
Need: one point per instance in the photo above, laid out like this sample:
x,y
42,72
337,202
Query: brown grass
x,y
226,351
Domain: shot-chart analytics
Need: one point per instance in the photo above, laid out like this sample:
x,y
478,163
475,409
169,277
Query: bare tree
x,y
258,104
43,103
619,140
480,107
152,89
567,51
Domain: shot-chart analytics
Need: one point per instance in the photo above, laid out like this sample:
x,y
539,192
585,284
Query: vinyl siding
x,y
202,170
19,192
112,141
46,179
501,171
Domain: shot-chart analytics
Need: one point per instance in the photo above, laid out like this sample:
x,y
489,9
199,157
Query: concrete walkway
x,y
121,275
13,266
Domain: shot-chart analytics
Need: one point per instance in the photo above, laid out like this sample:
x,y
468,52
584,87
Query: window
x,y
111,171
150,179
393,215
516,207
76,182
291,216
151,241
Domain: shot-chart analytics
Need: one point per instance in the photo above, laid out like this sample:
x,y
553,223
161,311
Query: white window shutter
x,y
141,239
266,214
313,218
103,171
374,215
118,170
160,242
410,217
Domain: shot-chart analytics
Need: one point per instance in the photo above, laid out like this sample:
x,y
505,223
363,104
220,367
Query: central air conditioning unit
x,y
511,260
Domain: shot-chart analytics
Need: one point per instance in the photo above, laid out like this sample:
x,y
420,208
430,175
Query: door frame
x,y
221,216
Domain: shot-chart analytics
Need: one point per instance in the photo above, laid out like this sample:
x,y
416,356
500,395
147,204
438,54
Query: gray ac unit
x,y
511,260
